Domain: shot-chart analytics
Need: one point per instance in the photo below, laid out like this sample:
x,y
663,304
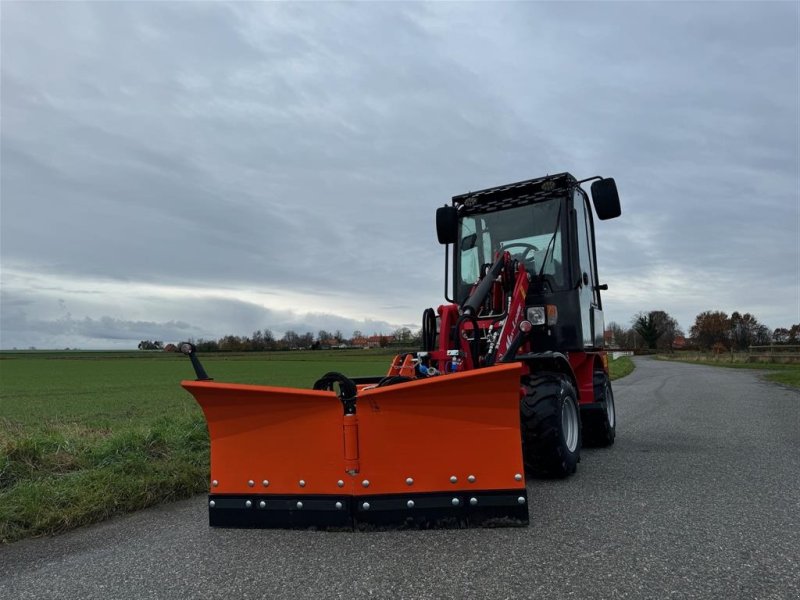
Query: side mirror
x,y
447,224
606,199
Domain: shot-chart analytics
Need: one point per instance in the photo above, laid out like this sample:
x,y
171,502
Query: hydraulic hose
x,y
347,389
428,330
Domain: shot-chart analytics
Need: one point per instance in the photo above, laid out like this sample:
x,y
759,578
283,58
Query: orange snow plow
x,y
431,453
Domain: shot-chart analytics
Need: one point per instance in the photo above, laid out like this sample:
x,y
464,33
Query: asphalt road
x,y
699,498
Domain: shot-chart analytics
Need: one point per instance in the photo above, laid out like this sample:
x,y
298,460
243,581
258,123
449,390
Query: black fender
x,y
549,361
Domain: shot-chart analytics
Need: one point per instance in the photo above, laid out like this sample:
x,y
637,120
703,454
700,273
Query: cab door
x,y
592,324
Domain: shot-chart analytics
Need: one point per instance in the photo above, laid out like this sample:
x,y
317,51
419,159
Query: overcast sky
x,y
196,169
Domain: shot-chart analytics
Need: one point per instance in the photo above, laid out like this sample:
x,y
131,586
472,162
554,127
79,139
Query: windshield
x,y
529,233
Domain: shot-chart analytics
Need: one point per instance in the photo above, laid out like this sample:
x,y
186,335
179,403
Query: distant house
x,y
328,343
679,343
373,341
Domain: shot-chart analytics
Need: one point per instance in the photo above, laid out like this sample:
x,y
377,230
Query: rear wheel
x,y
600,426
551,427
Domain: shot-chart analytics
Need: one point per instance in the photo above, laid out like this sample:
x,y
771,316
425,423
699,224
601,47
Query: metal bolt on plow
x,y
471,478
453,479
215,483
262,504
299,505
410,504
251,483
212,504
521,500
365,506
302,483
265,483
340,483
365,483
455,502
409,481
518,477
473,501
248,504
338,506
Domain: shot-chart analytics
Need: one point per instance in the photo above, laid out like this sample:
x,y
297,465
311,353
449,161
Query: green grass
x,y
790,377
84,436
784,373
620,367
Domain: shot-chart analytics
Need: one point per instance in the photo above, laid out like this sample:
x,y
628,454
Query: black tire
x,y
600,426
550,423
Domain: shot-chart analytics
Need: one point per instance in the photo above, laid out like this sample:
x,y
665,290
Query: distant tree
x,y
746,331
794,334
780,336
151,345
357,334
623,337
306,340
338,336
615,332
290,340
233,343
257,341
648,328
668,327
763,335
207,345
269,339
402,336
323,336
710,328
383,341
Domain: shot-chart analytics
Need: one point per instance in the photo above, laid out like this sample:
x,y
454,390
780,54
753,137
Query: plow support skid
x,y
443,451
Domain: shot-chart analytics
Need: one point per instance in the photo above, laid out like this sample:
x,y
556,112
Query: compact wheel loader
x,y
511,380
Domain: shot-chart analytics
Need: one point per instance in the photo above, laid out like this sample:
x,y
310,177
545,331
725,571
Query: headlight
x,y
541,315
537,315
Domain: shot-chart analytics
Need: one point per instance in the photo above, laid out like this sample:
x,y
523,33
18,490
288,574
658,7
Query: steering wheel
x,y
526,249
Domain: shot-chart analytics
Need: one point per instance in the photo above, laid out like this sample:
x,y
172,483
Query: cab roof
x,y
514,194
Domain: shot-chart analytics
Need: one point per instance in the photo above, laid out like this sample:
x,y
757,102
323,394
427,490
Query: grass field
x,y
620,367
86,435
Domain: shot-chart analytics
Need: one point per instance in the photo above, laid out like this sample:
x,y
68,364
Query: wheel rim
x,y
610,413
569,423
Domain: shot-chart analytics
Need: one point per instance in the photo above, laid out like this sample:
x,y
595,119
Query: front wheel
x,y
600,425
551,426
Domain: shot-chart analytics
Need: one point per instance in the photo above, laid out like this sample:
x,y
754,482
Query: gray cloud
x,y
278,149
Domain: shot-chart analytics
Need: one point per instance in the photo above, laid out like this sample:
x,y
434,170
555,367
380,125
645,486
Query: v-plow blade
x,y
439,452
